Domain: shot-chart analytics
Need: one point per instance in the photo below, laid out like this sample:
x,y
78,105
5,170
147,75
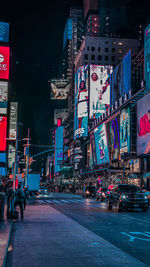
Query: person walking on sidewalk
x,y
9,195
19,200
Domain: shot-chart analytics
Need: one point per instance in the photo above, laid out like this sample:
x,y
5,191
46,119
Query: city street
x,y
86,223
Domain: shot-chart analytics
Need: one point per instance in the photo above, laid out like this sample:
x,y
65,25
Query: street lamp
x,y
16,154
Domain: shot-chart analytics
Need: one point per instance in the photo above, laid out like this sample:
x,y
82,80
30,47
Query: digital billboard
x,y
58,159
81,103
143,125
11,155
60,114
4,32
120,79
3,108
147,56
3,91
125,131
99,90
13,120
3,130
113,130
59,89
4,62
3,157
101,144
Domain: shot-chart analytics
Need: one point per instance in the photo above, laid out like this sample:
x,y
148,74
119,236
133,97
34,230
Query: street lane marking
x,y
136,235
65,201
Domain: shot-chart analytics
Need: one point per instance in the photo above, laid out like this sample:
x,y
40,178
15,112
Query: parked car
x,y
125,196
101,193
90,191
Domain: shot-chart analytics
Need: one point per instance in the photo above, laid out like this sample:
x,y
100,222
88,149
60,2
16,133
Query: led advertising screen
x,y
60,114
101,144
58,149
147,56
3,130
11,156
59,89
125,131
81,103
143,125
4,62
99,90
3,157
3,108
120,79
3,91
13,120
113,130
4,32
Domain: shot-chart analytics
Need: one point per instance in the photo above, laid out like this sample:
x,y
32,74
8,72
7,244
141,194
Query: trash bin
x,y
2,206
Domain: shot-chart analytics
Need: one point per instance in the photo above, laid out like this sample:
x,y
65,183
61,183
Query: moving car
x,y
101,194
125,196
43,190
90,191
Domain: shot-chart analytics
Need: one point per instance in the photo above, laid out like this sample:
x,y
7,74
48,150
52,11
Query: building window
x,y
120,43
92,48
87,48
92,57
113,58
86,56
99,57
106,49
99,49
106,58
119,51
113,49
85,62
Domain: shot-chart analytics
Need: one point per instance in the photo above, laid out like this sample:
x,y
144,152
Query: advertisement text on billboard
x,y
13,120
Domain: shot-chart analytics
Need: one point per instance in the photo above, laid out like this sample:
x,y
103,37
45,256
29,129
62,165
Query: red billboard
x,y
3,130
4,62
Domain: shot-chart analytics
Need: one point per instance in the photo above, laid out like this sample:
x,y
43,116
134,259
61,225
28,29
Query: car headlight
x,y
145,197
103,194
87,192
124,196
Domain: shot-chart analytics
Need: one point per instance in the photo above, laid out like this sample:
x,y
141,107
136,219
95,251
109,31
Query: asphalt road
x,y
129,231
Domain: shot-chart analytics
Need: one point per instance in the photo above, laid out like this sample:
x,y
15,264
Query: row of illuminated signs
x,y
58,157
113,138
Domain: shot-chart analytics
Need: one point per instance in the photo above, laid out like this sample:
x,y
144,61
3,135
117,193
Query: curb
x,y
6,252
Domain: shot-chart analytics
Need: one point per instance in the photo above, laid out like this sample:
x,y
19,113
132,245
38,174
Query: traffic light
x,y
30,161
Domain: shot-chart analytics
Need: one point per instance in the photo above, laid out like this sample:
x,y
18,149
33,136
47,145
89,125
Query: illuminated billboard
x,y
147,56
59,89
60,114
99,90
3,108
143,125
11,156
81,103
3,91
4,32
113,130
120,79
125,131
3,157
3,130
101,144
13,120
4,62
58,159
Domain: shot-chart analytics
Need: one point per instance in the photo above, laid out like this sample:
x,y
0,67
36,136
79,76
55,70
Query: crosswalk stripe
x,y
56,201
65,201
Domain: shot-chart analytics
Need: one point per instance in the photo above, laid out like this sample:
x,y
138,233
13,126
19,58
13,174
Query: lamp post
x,y
16,155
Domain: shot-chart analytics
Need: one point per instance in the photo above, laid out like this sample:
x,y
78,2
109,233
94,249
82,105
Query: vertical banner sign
x,y
4,62
147,56
3,128
13,120
58,149
125,131
3,91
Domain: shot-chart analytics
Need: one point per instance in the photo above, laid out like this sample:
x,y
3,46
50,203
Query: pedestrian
x,y
19,200
9,195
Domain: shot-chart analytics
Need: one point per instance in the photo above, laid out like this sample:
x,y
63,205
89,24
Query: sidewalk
x,y
48,238
5,232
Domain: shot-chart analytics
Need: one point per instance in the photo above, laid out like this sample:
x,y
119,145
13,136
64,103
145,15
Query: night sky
x,y
36,40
